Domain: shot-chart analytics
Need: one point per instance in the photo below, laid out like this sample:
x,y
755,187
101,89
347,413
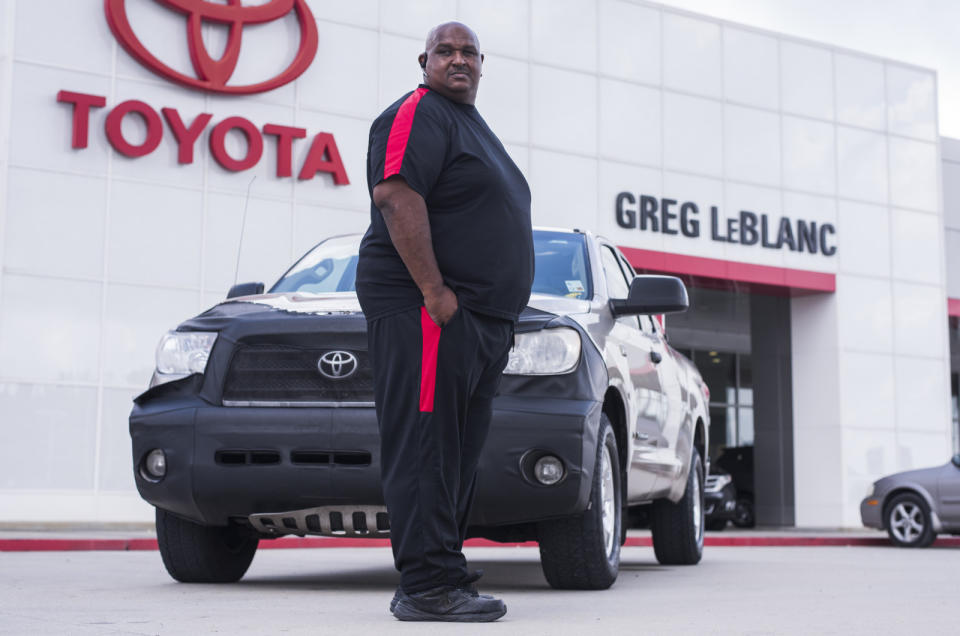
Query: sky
x,y
921,32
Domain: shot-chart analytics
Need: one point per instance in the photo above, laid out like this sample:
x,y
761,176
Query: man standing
x,y
445,269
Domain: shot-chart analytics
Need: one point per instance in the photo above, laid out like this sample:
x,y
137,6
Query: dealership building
x,y
149,159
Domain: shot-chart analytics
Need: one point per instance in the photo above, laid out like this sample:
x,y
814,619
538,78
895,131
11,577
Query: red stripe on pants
x,y
400,133
428,360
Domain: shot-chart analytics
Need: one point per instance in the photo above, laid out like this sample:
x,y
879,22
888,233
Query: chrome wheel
x,y
697,509
609,512
906,522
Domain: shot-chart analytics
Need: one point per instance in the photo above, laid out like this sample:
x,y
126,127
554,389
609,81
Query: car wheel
x,y
716,524
743,514
583,552
678,527
193,553
908,521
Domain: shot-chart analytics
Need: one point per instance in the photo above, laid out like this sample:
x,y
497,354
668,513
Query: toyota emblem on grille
x,y
337,365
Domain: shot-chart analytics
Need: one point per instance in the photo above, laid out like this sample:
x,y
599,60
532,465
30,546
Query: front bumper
x,y
263,444
871,512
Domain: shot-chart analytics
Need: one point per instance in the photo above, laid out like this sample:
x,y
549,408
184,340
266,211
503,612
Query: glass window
x,y
955,403
331,266
729,377
954,330
720,425
745,385
744,426
719,371
561,265
617,286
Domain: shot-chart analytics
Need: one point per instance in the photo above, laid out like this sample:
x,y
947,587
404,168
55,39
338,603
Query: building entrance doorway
x,y
740,342
954,331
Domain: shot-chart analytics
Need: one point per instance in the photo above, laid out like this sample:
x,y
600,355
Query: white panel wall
x,y
102,253
951,211
882,338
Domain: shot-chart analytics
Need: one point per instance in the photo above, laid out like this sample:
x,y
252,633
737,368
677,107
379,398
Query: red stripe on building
x,y
400,133
763,276
428,362
953,307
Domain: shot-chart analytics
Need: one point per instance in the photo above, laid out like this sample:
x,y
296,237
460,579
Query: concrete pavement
x,y
755,590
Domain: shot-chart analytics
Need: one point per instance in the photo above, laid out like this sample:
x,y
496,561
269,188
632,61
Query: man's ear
x,y
422,58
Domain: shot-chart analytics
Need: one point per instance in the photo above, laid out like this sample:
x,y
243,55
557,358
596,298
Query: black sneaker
x,y
448,605
468,585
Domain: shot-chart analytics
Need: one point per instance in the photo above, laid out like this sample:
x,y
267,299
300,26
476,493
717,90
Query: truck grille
x,y
350,521
278,374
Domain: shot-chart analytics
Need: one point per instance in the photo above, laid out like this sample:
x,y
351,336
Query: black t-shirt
x,y
478,205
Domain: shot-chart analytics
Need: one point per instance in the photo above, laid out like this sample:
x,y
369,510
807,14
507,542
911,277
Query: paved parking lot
x,y
755,590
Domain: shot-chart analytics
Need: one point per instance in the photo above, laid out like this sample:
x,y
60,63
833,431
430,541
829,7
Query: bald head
x,y
435,33
452,61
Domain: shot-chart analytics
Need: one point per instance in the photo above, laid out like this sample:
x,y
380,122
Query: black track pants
x,y
434,390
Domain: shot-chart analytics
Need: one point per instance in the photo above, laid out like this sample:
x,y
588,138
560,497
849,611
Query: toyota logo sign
x,y
212,75
337,365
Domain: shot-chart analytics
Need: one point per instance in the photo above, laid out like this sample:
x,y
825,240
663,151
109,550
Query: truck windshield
x,y
331,266
561,266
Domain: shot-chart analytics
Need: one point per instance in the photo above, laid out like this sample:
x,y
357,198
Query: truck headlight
x,y
181,353
544,352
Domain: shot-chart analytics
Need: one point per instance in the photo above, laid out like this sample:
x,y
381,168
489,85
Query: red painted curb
x,y
70,545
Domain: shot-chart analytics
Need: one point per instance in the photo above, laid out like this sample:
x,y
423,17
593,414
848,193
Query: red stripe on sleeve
x,y
428,364
400,133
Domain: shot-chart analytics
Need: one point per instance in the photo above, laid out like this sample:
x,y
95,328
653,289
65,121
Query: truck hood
x,y
558,305
541,308
344,302
304,303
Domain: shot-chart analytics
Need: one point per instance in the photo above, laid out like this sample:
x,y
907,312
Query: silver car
x,y
916,505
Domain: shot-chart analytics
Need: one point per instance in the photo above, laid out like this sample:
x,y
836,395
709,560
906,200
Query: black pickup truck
x,y
259,421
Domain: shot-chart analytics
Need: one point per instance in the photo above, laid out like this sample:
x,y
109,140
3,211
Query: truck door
x,y
676,429
671,455
630,350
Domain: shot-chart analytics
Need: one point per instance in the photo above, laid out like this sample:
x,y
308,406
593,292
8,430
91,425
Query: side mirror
x,y
956,460
245,289
652,295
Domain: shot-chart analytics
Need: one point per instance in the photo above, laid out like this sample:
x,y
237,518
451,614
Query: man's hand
x,y
405,213
441,305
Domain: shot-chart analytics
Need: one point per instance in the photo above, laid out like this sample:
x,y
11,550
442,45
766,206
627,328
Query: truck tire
x,y
678,527
583,552
193,553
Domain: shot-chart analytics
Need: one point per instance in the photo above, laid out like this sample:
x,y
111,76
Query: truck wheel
x,y
193,553
678,527
583,552
908,521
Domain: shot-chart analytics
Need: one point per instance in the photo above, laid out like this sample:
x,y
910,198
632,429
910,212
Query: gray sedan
x,y
916,505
